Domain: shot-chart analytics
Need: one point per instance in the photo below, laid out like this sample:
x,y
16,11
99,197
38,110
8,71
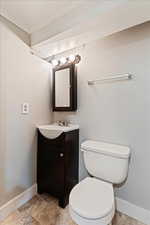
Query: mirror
x,y
62,88
65,88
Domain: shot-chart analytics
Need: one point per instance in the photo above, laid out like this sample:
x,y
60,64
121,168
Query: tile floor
x,y
44,210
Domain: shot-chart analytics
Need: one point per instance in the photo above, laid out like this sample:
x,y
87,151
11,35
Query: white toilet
x,y
91,202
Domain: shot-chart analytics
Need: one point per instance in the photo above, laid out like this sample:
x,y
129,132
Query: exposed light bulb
x,y
63,60
72,58
55,62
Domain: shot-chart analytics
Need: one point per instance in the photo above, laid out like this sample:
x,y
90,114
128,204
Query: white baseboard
x,y
136,212
16,202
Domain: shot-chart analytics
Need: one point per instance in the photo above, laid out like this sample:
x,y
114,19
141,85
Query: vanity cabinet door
x,y
57,165
56,172
50,169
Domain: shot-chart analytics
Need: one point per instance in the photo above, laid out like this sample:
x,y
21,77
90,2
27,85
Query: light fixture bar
x,y
72,59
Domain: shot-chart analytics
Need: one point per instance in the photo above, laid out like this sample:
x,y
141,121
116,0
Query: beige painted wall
x,y
23,78
118,112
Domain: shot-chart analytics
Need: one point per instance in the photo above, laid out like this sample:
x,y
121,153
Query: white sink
x,y
54,130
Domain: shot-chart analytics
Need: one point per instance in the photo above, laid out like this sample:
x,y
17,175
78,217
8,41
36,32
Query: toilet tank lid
x,y
104,148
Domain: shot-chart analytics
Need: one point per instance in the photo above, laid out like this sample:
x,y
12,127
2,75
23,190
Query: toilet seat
x,y
92,200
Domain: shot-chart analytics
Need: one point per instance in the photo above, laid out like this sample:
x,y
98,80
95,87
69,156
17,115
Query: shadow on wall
x,y
5,194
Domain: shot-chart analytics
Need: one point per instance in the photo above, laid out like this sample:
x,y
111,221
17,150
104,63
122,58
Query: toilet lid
x,y
92,198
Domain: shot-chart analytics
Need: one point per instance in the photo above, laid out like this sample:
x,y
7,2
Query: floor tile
x,y
44,210
12,219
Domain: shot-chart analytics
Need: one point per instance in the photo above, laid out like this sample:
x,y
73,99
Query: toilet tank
x,y
105,161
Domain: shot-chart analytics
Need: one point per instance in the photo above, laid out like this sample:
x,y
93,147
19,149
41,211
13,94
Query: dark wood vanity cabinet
x,y
57,165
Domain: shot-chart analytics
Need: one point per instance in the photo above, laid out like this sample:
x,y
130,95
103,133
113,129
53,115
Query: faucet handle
x,y
63,123
66,123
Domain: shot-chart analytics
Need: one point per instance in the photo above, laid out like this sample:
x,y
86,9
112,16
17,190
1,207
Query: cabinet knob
x,y
61,154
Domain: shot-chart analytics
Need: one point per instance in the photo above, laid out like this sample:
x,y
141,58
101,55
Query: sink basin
x,y
54,130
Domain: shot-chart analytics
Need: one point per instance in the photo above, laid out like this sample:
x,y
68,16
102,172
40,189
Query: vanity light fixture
x,y
72,59
55,62
63,60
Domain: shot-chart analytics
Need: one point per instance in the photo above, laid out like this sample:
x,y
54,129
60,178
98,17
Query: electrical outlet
x,y
25,108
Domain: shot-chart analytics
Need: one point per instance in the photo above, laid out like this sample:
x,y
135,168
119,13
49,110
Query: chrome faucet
x,y
63,123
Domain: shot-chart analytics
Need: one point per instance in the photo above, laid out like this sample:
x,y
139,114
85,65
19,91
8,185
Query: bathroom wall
x,y
23,78
118,112
23,35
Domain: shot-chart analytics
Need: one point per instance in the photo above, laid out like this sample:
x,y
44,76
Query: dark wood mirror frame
x,y
73,88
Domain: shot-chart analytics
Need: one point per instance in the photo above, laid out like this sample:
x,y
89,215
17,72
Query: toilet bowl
x,y
91,202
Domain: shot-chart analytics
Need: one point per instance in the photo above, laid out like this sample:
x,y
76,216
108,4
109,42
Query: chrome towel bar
x,y
111,78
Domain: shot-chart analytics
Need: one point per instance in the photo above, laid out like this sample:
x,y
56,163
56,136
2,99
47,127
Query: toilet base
x,y
83,221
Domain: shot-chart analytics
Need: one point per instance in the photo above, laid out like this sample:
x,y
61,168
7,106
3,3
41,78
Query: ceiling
x,y
59,25
32,15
